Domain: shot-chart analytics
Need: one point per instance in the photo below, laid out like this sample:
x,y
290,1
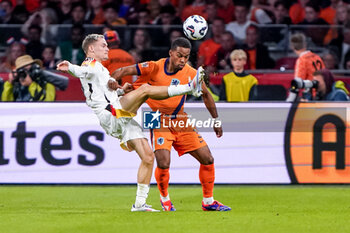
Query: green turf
x,y
46,209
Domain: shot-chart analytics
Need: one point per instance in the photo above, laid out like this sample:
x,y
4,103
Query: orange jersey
x,y
155,74
119,58
307,63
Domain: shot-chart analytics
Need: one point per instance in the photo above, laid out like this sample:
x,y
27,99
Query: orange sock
x,y
162,178
207,177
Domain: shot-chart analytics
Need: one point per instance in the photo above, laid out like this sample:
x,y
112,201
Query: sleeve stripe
x,y
138,69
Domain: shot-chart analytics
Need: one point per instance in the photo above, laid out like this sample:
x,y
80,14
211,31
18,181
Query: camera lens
x,y
21,73
34,71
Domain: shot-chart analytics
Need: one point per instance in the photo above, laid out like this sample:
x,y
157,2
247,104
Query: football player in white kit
x,y
115,111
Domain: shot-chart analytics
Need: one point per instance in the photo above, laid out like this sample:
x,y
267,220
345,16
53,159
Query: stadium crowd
x,y
53,30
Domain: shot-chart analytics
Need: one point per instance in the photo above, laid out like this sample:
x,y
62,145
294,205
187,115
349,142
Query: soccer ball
x,y
195,27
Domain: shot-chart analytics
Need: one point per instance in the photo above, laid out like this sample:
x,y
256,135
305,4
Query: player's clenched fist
x,y
63,66
127,87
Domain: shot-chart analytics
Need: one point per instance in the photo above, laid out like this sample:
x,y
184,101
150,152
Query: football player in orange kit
x,y
173,71
307,62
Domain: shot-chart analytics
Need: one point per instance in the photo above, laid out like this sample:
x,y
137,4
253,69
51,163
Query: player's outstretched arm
x,y
210,104
63,66
124,71
77,71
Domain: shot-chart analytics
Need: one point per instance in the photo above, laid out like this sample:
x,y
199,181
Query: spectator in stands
x,y
15,50
280,11
329,13
196,8
167,19
95,12
226,10
236,85
209,47
307,62
328,89
211,11
48,57
174,34
342,13
128,10
268,6
63,10
341,17
279,35
143,17
297,11
221,60
136,55
142,45
257,14
34,47
19,15
330,60
78,13
111,15
341,46
316,33
71,50
22,87
6,9
44,18
155,5
258,54
239,27
117,57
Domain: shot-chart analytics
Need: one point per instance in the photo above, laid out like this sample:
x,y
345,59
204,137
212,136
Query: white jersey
x,y
94,78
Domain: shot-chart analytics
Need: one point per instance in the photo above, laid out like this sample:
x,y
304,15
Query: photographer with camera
x,y
323,82
328,89
28,82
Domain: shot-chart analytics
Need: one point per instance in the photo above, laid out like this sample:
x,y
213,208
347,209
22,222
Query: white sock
x,y
164,199
174,90
208,200
141,194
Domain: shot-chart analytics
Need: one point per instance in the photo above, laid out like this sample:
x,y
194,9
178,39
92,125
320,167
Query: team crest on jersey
x,y
160,141
175,81
144,64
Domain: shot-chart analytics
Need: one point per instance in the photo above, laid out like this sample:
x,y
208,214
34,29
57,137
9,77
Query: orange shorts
x,y
182,139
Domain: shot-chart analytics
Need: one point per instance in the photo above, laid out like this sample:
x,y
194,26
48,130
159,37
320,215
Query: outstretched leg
x,y
133,100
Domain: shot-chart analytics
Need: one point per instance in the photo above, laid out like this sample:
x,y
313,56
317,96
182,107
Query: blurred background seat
x,y
268,92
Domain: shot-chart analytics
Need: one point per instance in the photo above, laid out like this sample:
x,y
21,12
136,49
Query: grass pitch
x,y
73,209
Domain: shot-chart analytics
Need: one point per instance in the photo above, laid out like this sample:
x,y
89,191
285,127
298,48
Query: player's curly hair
x,y
181,42
89,39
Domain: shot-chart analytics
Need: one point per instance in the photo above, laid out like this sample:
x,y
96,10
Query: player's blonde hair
x,y
238,53
89,39
298,41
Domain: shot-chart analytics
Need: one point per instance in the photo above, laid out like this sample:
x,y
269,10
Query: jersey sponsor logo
x,y
151,119
175,81
160,141
317,145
